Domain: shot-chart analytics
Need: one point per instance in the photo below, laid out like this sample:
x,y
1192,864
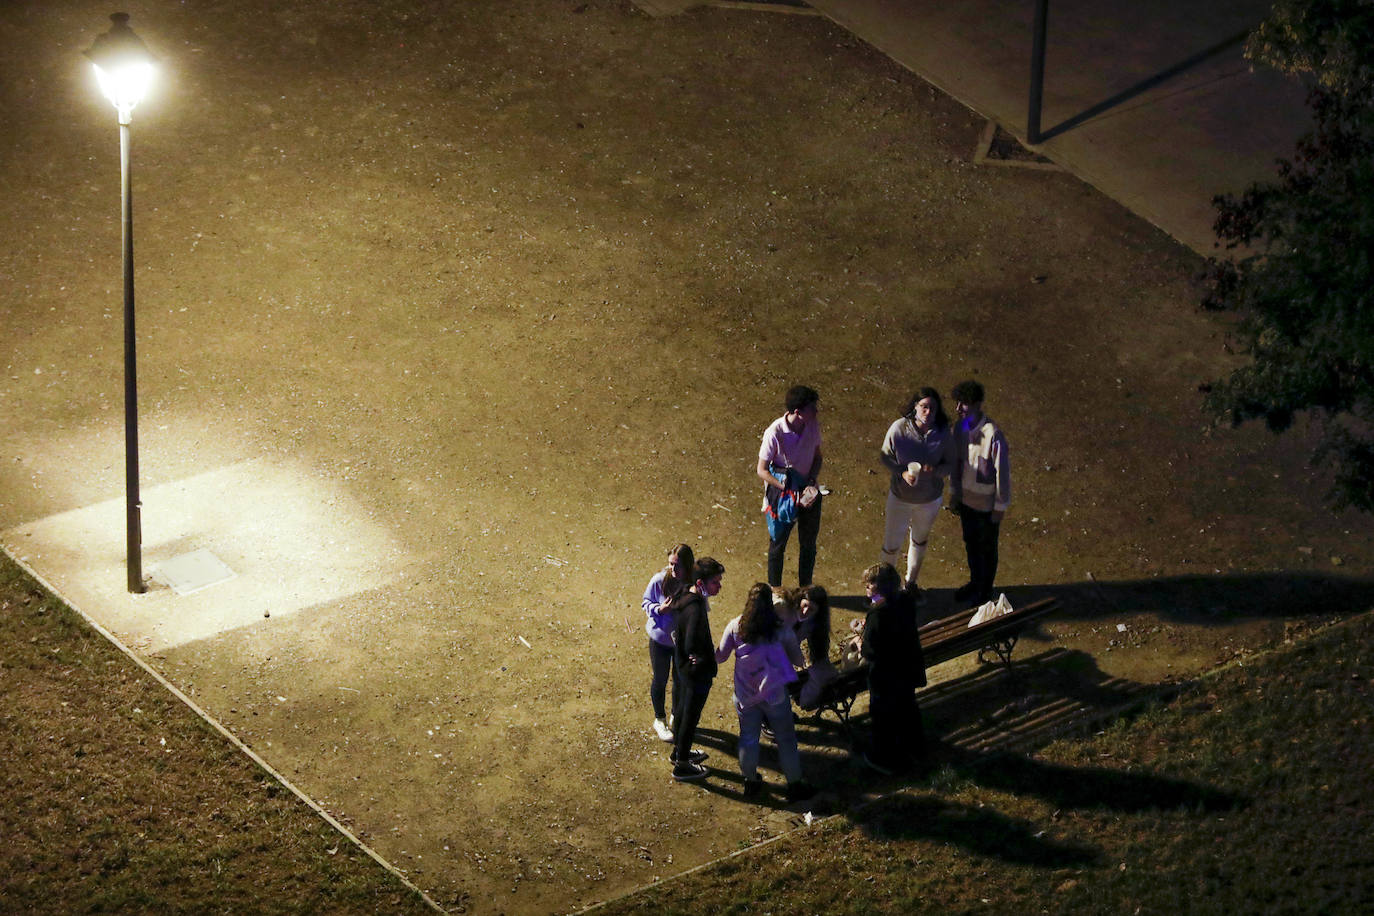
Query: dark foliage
x,y
1302,288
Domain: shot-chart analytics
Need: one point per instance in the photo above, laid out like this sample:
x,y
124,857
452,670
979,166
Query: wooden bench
x,y
941,640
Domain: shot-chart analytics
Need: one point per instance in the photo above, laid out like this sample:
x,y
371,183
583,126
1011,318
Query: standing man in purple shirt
x,y
790,459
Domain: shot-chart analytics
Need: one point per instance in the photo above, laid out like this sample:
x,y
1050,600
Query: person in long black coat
x,y
896,669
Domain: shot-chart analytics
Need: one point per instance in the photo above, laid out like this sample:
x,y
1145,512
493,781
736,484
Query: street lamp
x,y
124,69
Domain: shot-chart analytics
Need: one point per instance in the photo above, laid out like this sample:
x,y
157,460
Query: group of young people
x,y
770,669
920,451
765,640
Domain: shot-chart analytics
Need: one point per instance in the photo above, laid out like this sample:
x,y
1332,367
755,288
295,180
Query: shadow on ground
x,y
990,710
994,834
1209,600
984,726
979,830
1090,787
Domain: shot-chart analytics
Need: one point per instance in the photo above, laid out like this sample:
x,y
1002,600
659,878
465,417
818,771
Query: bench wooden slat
x,y
952,644
961,617
957,621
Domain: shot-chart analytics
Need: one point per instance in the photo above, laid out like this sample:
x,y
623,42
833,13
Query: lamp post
x,y
124,69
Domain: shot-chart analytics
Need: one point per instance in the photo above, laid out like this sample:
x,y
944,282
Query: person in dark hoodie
x,y
694,653
896,668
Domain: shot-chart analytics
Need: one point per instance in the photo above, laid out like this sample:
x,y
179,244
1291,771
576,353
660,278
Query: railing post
x,y
1037,75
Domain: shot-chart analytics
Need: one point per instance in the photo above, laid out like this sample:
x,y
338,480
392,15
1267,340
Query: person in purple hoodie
x,y
666,584
765,656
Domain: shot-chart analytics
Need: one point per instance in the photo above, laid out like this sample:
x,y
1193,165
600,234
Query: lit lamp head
x,y
123,66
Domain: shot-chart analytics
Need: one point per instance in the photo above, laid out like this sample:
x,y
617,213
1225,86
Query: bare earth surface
x,y
451,321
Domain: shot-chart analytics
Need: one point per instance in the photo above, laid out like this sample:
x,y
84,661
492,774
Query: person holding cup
x,y
917,454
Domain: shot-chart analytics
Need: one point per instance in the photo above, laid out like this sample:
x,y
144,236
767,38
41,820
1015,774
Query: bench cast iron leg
x,y
1002,649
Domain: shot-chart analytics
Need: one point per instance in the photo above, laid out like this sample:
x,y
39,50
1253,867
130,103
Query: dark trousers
x,y
898,733
661,667
808,525
980,543
690,700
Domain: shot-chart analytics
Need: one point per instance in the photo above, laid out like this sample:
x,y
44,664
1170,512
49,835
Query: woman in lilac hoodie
x,y
658,596
764,666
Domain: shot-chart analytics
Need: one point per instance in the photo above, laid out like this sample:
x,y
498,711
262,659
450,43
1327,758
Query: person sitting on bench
x,y
806,614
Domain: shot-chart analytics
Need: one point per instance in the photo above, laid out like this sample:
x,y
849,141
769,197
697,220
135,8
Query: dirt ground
x,y
453,318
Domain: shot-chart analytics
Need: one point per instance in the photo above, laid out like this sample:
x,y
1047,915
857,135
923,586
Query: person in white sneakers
x,y
917,452
666,584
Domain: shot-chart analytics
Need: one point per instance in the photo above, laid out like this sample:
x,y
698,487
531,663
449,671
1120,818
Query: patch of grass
x,y
119,799
1245,793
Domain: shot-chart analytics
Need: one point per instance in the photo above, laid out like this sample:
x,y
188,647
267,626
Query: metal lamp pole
x,y
124,68
133,507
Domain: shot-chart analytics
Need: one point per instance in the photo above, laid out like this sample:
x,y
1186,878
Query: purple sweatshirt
x,y
659,624
770,663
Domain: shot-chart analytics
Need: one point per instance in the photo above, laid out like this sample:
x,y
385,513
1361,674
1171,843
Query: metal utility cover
x,y
193,571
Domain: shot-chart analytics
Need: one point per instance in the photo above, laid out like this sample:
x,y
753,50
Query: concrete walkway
x,y
1151,103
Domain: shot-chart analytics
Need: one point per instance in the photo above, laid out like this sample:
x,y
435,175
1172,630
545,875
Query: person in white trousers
x,y
917,454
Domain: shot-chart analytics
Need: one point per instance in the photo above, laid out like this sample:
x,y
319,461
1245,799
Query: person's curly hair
x,y
759,622
968,391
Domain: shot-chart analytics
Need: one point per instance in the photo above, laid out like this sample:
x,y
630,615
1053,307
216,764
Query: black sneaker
x,y
752,787
800,791
685,772
967,590
918,597
692,757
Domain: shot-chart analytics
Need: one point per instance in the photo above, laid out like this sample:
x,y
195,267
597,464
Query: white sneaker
x,y
664,732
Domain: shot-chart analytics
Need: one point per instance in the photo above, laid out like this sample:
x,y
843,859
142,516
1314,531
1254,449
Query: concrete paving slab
x,y
191,572
295,542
